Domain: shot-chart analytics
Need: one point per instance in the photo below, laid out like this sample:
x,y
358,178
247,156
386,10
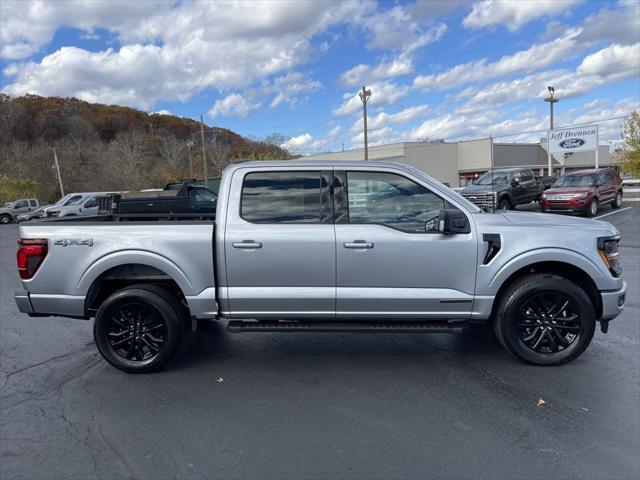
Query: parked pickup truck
x,y
24,205
290,250
504,188
182,197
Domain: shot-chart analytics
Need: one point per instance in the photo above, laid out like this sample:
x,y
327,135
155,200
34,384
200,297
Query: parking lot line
x,y
611,213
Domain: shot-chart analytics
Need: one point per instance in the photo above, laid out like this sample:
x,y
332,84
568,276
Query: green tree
x,y
11,189
631,138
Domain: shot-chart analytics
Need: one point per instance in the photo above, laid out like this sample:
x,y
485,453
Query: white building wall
x,y
474,155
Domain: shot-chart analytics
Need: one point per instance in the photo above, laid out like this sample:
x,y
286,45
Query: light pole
x,y
204,158
55,160
364,96
189,145
551,100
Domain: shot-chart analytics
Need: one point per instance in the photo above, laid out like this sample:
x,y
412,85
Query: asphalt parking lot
x,y
316,406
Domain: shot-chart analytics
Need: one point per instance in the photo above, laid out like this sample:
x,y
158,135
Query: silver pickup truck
x,y
327,246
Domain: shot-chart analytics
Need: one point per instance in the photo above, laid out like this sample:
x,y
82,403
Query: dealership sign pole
x,y
569,140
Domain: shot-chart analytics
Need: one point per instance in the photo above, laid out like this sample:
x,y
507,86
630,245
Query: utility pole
x,y
551,100
204,158
189,145
55,159
364,96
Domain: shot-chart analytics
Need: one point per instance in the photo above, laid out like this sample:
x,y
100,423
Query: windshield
x,y
576,181
493,178
72,201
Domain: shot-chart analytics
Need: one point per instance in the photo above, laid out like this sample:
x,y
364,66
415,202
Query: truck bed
x,y
78,257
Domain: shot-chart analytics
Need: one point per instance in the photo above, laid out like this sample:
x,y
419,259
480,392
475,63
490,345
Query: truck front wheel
x,y
545,319
139,329
504,204
5,218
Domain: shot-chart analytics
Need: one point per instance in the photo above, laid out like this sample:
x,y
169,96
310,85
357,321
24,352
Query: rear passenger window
x,y
33,203
281,197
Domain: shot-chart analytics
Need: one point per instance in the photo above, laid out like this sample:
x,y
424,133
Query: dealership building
x,y
458,163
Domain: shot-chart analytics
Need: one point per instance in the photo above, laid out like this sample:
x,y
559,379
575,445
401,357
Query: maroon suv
x,y
583,192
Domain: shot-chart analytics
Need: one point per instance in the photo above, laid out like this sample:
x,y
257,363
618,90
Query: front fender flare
x,y
558,255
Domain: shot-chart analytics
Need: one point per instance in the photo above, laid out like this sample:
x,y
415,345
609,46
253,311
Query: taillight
x,y
31,254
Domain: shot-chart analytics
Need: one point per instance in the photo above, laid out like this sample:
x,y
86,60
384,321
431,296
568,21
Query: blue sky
x,y
437,69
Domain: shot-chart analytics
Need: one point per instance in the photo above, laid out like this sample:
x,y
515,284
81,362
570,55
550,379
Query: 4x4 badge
x,y
74,241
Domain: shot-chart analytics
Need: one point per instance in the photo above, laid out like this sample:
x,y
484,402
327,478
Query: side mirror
x,y
452,221
514,182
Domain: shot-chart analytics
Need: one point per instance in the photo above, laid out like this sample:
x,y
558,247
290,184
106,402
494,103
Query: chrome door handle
x,y
248,244
358,244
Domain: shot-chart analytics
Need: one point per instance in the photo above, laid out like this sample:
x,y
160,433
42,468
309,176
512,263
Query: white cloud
x,y
362,74
608,65
401,64
162,112
381,94
334,132
384,119
181,49
374,136
513,14
25,26
290,86
233,105
303,144
535,57
619,25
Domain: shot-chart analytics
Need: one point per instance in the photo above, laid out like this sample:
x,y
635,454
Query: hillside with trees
x,y
107,147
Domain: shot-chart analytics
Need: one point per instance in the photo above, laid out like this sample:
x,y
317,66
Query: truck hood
x,y
568,190
471,189
547,220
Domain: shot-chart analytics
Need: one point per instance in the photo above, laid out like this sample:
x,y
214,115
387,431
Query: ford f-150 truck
x,y
504,188
327,246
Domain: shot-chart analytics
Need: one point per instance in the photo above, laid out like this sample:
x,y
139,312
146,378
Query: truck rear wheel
x,y
545,319
139,329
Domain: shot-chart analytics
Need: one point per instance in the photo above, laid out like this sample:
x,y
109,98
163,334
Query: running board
x,y
454,326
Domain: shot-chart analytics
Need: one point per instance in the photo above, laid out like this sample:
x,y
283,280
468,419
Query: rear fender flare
x,y
139,257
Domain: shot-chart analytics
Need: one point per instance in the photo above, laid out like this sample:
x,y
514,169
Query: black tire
x,y
592,209
504,204
5,218
617,202
509,316
156,307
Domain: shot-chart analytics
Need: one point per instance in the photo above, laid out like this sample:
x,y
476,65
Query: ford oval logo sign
x,y
572,143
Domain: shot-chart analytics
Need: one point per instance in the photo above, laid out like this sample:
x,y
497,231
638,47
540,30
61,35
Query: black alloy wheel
x,y
544,319
138,329
137,332
549,322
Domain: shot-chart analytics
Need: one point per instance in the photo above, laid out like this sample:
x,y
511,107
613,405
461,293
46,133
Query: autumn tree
x,y
631,138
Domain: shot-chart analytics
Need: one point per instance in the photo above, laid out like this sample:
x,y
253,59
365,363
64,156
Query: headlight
x,y
608,250
544,195
580,195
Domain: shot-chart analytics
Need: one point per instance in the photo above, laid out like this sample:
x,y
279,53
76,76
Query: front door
x,y
280,245
391,261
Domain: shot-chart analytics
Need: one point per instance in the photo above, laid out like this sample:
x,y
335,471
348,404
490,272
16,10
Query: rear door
x,y
392,263
280,244
606,187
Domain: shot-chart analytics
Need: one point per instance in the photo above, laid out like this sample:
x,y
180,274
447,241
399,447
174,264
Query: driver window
x,y
392,200
91,203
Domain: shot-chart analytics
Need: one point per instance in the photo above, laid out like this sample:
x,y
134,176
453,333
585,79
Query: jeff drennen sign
x,y
579,139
